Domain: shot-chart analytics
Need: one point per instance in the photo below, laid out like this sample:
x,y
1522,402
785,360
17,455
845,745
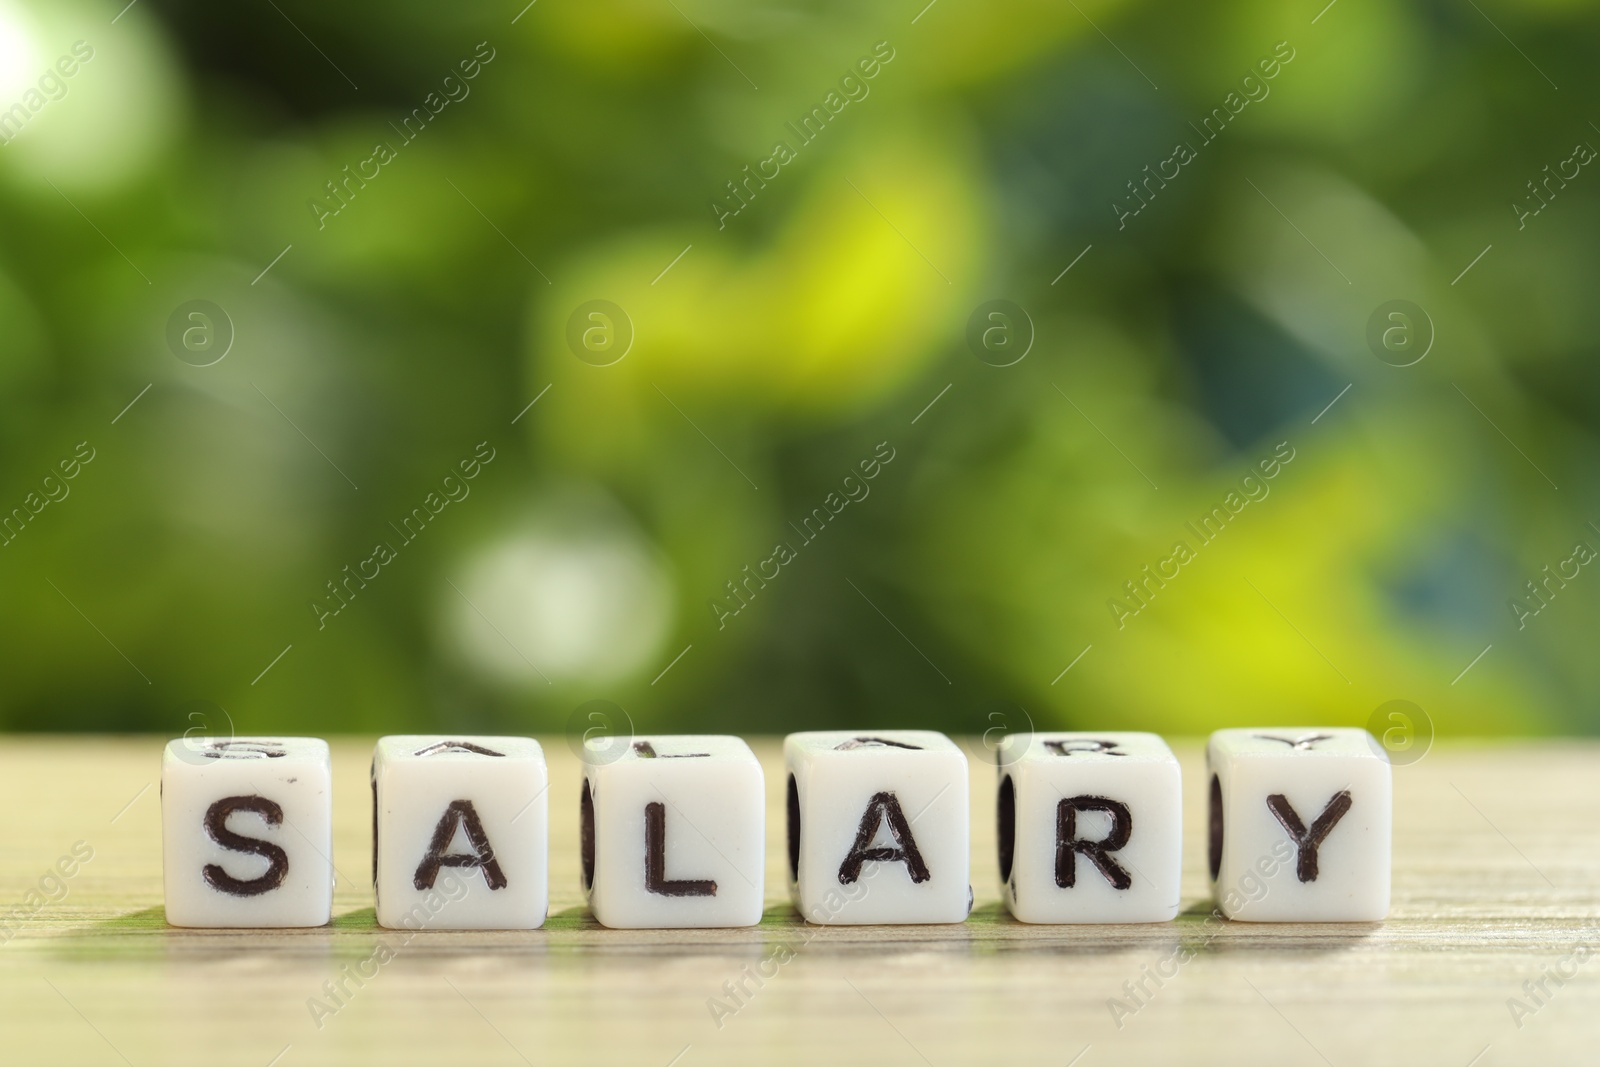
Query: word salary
x,y
1280,845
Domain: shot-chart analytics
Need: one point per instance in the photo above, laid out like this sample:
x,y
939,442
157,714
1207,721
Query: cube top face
x,y
878,826
247,832
663,751
852,744
1089,827
1081,748
274,752
673,833
1301,823
453,750
1337,742
461,832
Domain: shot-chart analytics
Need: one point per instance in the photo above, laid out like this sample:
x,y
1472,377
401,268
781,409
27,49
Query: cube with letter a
x,y
878,827
673,832
247,832
460,832
1090,827
1300,824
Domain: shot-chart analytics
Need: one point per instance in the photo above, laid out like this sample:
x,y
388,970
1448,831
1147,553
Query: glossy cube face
x,y
1300,821
460,832
673,832
878,827
247,832
1090,827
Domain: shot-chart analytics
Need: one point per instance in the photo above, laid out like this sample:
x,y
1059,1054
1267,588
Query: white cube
x,y
1300,824
1090,827
460,832
878,827
673,832
247,832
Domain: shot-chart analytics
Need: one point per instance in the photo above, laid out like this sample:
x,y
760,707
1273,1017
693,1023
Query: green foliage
x,y
399,217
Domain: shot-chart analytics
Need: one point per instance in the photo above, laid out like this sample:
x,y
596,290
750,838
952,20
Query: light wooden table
x,y
1496,879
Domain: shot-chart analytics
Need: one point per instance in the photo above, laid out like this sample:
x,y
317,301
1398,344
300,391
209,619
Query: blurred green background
x,y
393,212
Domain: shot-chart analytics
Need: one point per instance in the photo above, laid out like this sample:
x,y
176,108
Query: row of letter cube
x,y
672,829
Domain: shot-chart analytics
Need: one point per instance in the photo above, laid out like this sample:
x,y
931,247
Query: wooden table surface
x,y
1496,880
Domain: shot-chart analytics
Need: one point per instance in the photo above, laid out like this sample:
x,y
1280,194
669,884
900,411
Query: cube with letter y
x,y
673,832
1300,824
247,832
460,832
878,827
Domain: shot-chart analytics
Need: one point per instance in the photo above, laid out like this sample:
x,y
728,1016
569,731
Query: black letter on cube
x,y
459,813
1306,841
456,746
1067,748
884,806
655,860
277,858
1068,844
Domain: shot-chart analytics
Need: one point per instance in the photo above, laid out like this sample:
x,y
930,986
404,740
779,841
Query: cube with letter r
x,y
247,832
1090,827
1300,821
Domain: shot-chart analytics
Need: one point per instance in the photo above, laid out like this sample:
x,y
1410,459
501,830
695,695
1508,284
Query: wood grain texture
x,y
1496,880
